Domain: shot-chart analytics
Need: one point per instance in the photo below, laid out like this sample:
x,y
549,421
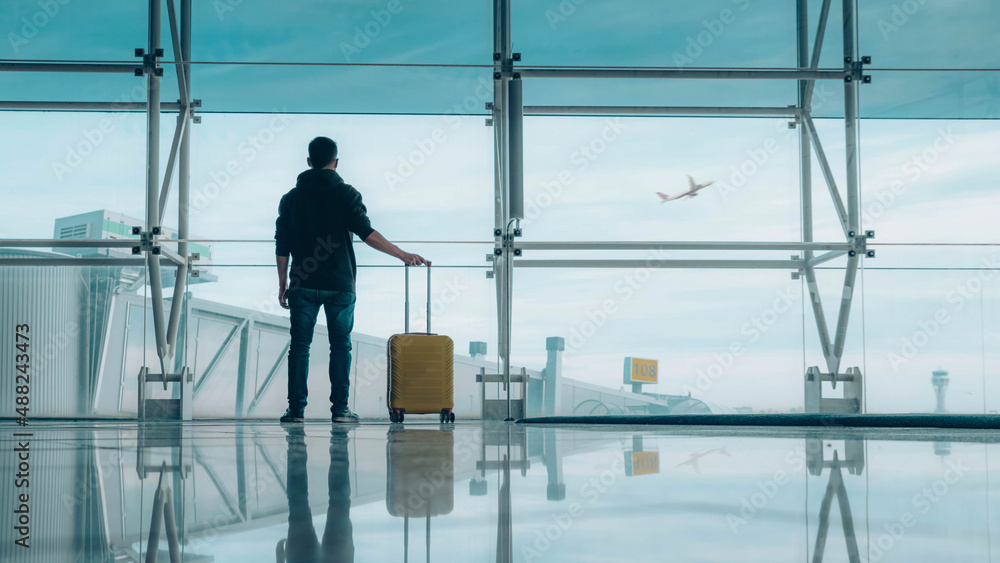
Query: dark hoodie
x,y
315,222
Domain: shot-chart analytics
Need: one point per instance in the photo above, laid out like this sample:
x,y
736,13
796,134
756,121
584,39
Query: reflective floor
x,y
260,491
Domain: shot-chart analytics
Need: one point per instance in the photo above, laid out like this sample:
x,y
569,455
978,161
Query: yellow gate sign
x,y
638,370
641,463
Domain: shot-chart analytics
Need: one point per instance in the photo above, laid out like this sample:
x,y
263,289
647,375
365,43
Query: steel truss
x,y
507,117
508,110
165,323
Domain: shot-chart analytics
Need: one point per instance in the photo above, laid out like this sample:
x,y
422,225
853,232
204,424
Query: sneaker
x,y
292,416
346,415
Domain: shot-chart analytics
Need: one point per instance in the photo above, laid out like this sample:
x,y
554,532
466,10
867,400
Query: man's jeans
x,y
339,308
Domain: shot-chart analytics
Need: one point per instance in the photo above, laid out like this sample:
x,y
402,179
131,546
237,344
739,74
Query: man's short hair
x,y
322,151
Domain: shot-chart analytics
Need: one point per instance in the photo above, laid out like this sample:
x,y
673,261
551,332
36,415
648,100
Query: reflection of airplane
x,y
693,460
692,191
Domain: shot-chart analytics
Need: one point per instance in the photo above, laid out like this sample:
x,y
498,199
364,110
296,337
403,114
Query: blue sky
x,y
429,177
719,33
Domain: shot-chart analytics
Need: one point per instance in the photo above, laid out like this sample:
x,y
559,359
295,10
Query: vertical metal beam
x,y
182,151
515,152
509,309
184,159
508,266
515,207
851,120
502,51
805,181
805,151
853,211
805,168
153,122
153,183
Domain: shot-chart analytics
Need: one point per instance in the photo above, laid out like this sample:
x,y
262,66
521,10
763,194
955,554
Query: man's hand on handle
x,y
413,259
378,242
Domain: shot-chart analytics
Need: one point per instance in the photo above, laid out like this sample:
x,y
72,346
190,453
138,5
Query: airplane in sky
x,y
693,460
691,192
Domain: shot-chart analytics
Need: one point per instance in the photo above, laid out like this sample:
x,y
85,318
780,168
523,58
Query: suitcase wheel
x,y
447,416
395,415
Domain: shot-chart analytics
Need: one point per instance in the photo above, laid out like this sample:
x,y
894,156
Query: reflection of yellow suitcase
x,y
420,477
421,376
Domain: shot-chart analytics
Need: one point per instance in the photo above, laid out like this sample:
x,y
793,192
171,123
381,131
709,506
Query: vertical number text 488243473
x,y
22,366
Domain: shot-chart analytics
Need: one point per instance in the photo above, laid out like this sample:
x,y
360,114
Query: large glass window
x,y
404,88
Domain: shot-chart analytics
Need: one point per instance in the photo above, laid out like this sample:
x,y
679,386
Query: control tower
x,y
939,380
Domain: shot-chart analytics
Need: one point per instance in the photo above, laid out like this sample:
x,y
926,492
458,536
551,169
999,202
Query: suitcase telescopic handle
x,y
406,317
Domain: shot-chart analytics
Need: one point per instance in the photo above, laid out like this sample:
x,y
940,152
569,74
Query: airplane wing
x,y
691,182
665,198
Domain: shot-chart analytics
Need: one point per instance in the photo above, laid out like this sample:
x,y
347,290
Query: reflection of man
x,y
317,221
338,537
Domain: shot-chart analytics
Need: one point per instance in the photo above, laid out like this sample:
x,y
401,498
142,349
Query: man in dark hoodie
x,y
316,223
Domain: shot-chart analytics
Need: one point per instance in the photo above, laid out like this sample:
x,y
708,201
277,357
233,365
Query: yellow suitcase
x,y
421,376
